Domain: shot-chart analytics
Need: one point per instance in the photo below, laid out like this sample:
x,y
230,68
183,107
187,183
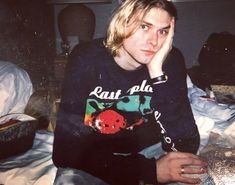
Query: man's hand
x,y
155,66
170,167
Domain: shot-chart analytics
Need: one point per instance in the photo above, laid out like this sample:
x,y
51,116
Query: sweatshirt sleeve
x,y
172,108
79,146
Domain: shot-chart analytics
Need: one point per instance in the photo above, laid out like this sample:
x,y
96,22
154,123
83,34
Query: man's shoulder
x,y
175,60
89,49
88,55
175,56
175,52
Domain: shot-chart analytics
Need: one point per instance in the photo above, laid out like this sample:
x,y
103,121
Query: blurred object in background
x,y
76,24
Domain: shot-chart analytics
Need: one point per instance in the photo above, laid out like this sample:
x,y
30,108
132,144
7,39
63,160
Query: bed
x,y
217,130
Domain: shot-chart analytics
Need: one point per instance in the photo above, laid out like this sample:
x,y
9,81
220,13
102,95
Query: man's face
x,y
149,37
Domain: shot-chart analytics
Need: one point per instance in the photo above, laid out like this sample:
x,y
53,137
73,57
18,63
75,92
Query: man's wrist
x,y
159,79
154,71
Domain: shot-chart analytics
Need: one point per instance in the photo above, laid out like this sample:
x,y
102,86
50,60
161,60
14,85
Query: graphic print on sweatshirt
x,y
113,116
108,112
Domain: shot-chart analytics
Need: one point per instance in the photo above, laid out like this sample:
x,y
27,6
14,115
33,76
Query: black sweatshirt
x,y
107,115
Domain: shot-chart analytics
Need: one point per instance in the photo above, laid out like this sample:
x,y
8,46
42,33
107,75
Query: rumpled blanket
x,y
15,88
35,167
210,116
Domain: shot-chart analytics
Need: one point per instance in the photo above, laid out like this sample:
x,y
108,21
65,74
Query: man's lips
x,y
148,52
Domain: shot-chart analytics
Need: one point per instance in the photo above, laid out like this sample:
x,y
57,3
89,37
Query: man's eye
x,y
163,32
144,27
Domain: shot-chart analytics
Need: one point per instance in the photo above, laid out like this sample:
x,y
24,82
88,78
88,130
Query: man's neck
x,y
125,61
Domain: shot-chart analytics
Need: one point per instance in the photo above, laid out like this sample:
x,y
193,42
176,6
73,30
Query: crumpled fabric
x,y
209,115
212,109
229,134
15,88
35,167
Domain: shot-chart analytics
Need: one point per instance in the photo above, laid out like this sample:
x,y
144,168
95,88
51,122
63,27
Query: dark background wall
x,y
27,37
197,19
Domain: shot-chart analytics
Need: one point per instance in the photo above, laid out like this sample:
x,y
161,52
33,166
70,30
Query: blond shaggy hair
x,y
131,12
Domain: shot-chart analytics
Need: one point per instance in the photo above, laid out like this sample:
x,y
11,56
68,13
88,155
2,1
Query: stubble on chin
x,y
146,59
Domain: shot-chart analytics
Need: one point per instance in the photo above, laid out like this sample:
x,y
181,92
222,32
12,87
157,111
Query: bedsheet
x,y
33,167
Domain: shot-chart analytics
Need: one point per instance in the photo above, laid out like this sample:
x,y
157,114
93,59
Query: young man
x,y
125,95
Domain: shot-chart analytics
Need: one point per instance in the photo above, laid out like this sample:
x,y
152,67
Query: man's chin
x,y
145,60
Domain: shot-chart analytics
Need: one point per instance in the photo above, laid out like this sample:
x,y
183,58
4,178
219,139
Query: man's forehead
x,y
143,16
157,17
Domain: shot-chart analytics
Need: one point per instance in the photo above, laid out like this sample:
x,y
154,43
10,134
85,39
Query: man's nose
x,y
153,40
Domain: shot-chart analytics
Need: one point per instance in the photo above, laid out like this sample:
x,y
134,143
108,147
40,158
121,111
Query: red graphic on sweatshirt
x,y
109,122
